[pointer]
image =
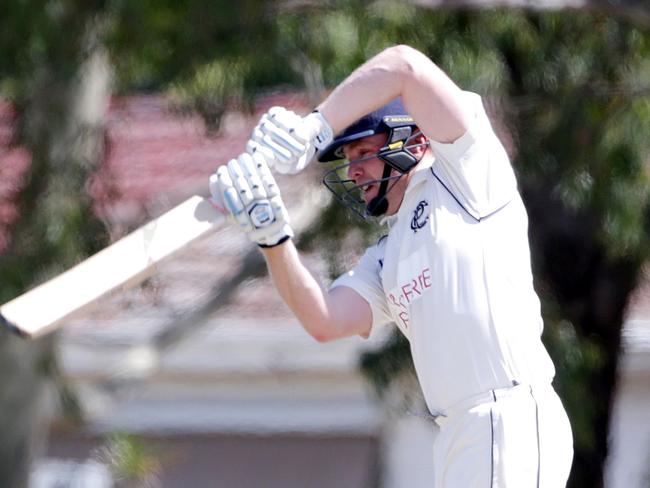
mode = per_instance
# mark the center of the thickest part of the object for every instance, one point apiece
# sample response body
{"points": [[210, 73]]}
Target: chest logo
{"points": [[420, 218]]}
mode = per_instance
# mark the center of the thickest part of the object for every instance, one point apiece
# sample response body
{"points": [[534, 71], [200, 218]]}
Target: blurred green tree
{"points": [[583, 169], [53, 67]]}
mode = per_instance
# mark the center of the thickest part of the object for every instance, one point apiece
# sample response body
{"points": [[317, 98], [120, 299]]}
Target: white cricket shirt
{"points": [[454, 273]]}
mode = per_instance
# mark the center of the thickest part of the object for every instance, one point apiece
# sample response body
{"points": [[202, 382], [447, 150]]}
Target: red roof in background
{"points": [[156, 156], [13, 163]]}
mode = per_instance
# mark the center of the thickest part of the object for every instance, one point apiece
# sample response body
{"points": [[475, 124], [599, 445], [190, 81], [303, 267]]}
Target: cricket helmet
{"points": [[400, 128]]}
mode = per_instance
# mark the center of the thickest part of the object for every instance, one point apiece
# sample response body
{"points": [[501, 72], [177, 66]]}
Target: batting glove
{"points": [[246, 189], [288, 141]]}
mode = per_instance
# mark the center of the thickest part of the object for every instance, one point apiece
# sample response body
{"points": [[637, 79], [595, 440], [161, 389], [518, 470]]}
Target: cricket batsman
{"points": [[453, 271]]}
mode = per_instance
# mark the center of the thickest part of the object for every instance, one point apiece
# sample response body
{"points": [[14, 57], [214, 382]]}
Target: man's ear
{"points": [[419, 145]]}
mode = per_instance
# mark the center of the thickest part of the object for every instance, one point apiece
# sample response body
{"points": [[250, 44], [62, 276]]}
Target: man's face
{"points": [[364, 173]]}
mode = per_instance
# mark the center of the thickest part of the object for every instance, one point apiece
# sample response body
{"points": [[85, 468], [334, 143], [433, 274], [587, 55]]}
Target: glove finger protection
{"points": [[272, 190], [289, 141], [224, 195], [275, 134], [282, 126], [246, 189]]}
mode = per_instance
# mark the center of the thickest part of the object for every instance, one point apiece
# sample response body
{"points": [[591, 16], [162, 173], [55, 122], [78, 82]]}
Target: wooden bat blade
{"points": [[121, 265]]}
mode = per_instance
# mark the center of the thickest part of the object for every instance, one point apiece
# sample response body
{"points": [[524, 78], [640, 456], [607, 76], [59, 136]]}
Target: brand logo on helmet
{"points": [[419, 219], [392, 119]]}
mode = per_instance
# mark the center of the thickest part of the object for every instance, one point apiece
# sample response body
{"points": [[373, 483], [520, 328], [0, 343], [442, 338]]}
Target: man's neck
{"points": [[423, 165]]}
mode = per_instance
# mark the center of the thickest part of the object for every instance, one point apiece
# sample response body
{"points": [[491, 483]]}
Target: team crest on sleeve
{"points": [[420, 217]]}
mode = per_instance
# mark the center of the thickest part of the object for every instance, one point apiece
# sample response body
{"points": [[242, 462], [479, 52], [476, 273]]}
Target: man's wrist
{"points": [[281, 235], [269, 246]]}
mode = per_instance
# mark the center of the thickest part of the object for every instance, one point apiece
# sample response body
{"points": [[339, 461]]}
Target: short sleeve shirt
{"points": [[454, 272]]}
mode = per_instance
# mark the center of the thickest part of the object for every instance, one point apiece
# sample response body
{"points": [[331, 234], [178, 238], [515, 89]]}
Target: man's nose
{"points": [[355, 170]]}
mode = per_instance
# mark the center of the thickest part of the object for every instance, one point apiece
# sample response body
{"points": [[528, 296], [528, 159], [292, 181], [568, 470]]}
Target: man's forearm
{"points": [[299, 288], [434, 100], [324, 314]]}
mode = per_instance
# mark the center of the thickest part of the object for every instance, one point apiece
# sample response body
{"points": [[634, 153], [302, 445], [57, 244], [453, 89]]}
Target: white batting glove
{"points": [[246, 189], [288, 141]]}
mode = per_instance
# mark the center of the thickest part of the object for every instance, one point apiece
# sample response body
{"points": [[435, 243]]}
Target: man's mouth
{"points": [[366, 189]]}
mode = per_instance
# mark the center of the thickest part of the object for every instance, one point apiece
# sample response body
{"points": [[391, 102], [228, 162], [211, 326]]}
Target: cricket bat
{"points": [[121, 265]]}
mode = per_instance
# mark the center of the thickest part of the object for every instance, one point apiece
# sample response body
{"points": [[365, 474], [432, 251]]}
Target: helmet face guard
{"points": [[395, 154], [391, 119]]}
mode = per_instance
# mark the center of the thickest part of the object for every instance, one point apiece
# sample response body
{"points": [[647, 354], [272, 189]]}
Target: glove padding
{"points": [[288, 141], [246, 188]]}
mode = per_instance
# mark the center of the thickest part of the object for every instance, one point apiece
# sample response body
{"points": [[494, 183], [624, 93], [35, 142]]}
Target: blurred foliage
{"points": [[213, 89], [571, 89], [382, 368], [44, 47], [48, 53], [132, 463]]}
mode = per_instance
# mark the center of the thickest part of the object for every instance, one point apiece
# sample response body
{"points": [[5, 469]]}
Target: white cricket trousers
{"points": [[517, 437]]}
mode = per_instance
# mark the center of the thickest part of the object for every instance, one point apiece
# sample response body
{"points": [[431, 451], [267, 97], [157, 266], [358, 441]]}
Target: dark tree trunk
{"points": [[592, 290]]}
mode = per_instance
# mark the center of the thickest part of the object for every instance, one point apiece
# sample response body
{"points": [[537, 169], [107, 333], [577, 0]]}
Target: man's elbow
{"points": [[322, 332], [323, 337], [329, 332], [407, 57]]}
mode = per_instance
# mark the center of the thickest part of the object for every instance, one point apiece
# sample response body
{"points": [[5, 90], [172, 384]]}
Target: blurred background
{"points": [[113, 111]]}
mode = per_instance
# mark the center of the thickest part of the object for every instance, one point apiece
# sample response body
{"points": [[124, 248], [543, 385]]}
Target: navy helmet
{"points": [[382, 120]]}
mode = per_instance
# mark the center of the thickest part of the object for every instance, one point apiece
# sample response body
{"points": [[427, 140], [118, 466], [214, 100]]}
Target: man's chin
{"points": [[377, 207], [368, 197]]}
